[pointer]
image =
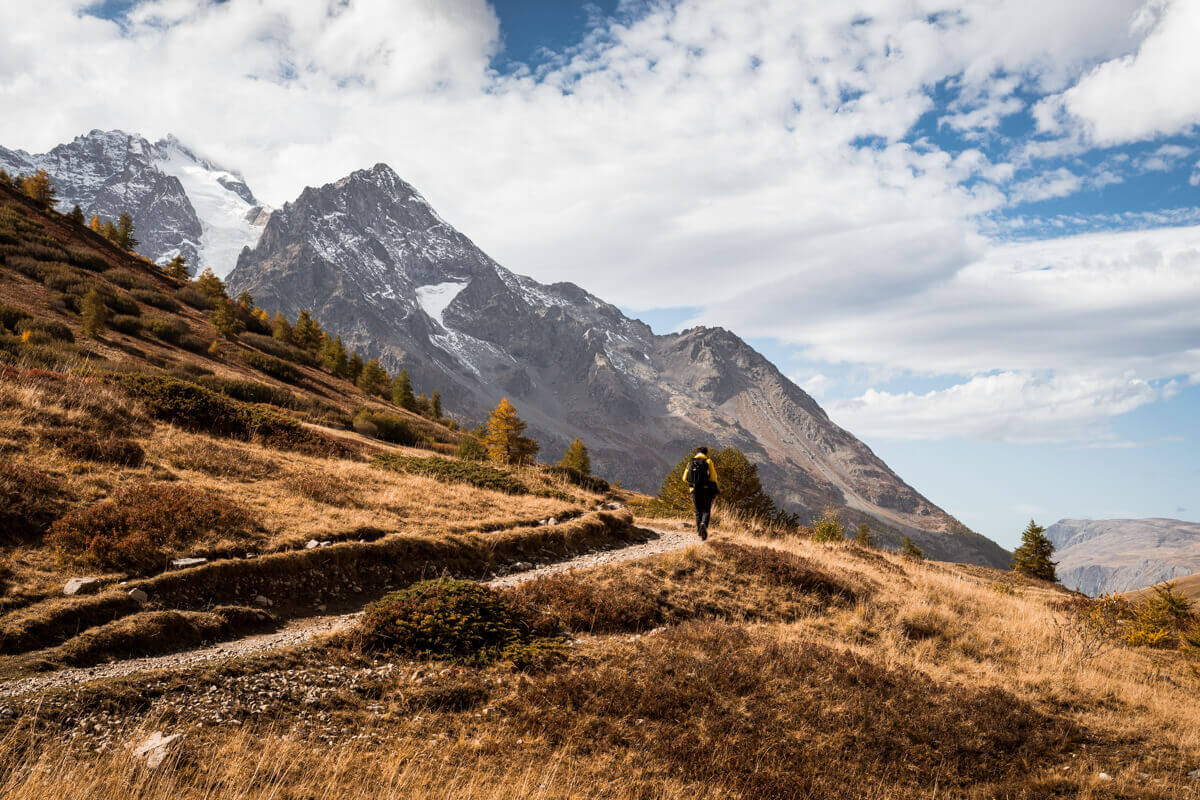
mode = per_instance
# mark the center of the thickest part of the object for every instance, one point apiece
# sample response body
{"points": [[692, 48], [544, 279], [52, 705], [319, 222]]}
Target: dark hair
{"points": [[702, 449]]}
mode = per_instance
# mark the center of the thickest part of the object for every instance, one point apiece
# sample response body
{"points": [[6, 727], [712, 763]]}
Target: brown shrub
{"points": [[88, 446], [323, 488], [781, 568], [29, 501], [214, 458], [748, 713], [572, 602], [142, 525]]}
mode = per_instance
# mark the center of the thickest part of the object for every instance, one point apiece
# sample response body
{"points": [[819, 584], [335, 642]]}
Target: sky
{"points": [[969, 228]]}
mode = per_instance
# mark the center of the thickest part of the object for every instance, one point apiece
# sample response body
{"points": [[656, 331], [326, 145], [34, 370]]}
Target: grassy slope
{"points": [[1188, 586]]}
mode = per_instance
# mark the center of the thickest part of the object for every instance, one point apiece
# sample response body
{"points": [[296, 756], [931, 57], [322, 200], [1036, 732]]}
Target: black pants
{"points": [[702, 499]]}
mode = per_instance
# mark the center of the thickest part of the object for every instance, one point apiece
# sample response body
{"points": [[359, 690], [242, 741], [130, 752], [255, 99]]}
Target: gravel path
{"points": [[298, 631]]}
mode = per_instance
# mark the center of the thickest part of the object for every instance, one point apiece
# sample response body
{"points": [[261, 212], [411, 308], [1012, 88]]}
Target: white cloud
{"points": [[816, 384], [1145, 94]]}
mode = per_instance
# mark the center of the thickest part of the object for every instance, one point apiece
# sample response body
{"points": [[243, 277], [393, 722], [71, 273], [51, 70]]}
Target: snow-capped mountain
{"points": [[180, 202], [378, 266]]}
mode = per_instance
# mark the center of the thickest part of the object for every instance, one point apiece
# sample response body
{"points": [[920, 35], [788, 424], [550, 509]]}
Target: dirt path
{"points": [[298, 631]]}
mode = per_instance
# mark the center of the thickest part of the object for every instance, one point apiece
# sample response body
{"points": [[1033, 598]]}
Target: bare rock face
{"points": [[376, 265], [1121, 555], [180, 203]]}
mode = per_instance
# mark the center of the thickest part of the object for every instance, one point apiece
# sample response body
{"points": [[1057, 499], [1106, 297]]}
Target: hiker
{"points": [[701, 477]]}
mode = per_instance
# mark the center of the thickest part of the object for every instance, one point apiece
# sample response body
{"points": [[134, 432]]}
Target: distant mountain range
{"points": [[180, 202], [377, 265], [1120, 555]]}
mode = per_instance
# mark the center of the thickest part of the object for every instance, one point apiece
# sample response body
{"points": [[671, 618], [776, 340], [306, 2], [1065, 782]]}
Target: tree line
{"points": [[39, 188]]}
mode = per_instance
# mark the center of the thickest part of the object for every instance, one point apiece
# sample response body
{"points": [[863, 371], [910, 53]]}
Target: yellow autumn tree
{"points": [[504, 441]]}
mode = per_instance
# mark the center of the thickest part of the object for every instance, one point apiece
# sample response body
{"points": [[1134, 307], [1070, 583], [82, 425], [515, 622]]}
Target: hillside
{"points": [[1188, 586], [378, 266], [1122, 555]]}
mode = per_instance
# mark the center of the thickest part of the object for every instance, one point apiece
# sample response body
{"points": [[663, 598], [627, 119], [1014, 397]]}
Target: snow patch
{"points": [[435, 298]]}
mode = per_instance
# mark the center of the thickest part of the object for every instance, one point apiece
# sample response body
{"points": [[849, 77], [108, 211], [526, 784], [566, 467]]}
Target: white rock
{"points": [[138, 595], [1194, 774], [263, 601], [552, 521], [312, 544], [155, 748], [183, 563], [326, 544], [82, 586], [1104, 776]]}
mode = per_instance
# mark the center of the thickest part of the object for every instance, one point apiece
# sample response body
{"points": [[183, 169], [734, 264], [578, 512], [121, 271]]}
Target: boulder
{"points": [[312, 544], [155, 748], [184, 563], [138, 595], [82, 586]]}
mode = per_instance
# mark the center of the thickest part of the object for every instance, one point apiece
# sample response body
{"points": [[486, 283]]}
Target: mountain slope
{"points": [[180, 202], [1120, 555], [377, 265]]}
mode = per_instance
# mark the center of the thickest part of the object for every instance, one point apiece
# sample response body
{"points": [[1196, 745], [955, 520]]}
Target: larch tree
{"points": [[402, 391], [76, 215], [281, 329], [435, 404], [125, 238], [177, 267], [333, 356], [505, 441], [577, 458], [1034, 555], [355, 368], [909, 549], [210, 284], [40, 189], [374, 380], [306, 332], [94, 313], [863, 535]]}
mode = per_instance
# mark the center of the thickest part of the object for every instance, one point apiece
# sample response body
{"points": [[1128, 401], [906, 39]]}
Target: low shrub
{"points": [[29, 501], [781, 568], [192, 296], [470, 448], [284, 350], [275, 367], [589, 483], [51, 328], [119, 303], [88, 259], [323, 488], [828, 529], [11, 317], [194, 343], [88, 446], [127, 280], [249, 391], [155, 298], [141, 526], [388, 427], [125, 324], [445, 619], [574, 603], [169, 329], [446, 470], [223, 460]]}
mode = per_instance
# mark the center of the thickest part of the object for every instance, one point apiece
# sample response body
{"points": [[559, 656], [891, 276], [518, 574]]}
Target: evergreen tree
{"points": [[110, 231], [471, 447], [76, 215], [125, 238], [211, 285], [355, 367], [435, 404], [39, 189], [94, 313], [307, 333], [281, 329], [577, 458], [504, 441], [246, 301], [96, 225], [402, 392], [373, 380], [1033, 556], [423, 405], [333, 356], [910, 550], [177, 267], [224, 318], [741, 488], [863, 535], [5, 178]]}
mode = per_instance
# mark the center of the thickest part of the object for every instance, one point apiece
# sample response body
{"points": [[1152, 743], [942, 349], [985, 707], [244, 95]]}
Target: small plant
{"points": [[169, 329], [576, 458], [94, 313], [193, 297], [447, 471], [155, 298], [909, 550], [249, 391], [125, 324], [11, 317], [829, 528], [863, 536], [584, 481]]}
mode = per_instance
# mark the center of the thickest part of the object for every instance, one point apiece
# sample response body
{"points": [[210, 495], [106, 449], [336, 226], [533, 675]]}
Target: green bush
{"points": [[249, 391], [11, 317], [470, 448], [275, 367], [125, 324], [449, 619], [88, 259], [287, 352], [388, 427], [450, 471], [48, 327], [141, 526], [155, 298], [169, 329], [90, 447], [828, 529], [193, 297], [586, 482]]}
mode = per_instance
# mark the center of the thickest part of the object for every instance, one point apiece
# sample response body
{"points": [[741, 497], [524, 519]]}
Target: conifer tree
{"points": [[423, 405], [246, 301], [281, 329], [125, 238], [1033, 557], [211, 285], [110, 231], [224, 318], [435, 404], [76, 215], [355, 367], [577, 458], [471, 446], [306, 332], [333, 356], [402, 391], [177, 267], [504, 442], [863, 535], [374, 380], [94, 313], [910, 550], [5, 178], [39, 189]]}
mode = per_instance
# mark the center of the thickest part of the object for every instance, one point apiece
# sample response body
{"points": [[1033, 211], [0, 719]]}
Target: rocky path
{"points": [[298, 631]]}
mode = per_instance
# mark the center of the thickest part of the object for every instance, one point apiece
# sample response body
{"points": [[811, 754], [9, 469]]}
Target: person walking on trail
{"points": [[700, 475]]}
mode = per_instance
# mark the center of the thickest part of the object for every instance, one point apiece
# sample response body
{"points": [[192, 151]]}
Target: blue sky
{"points": [[971, 229]]}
